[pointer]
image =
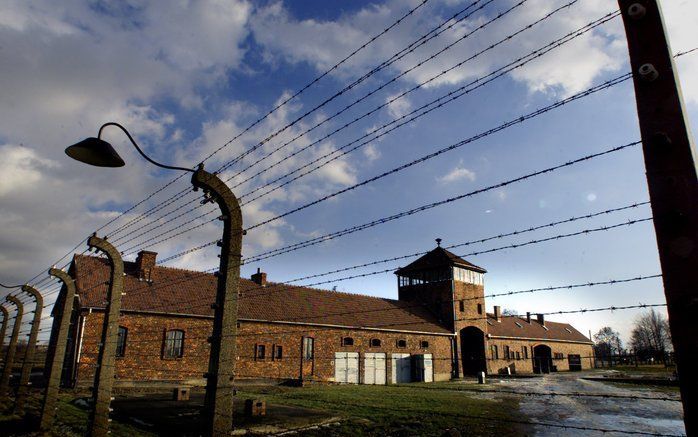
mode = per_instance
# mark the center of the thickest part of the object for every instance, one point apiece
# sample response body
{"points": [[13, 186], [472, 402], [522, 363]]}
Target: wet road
{"points": [[639, 415]]}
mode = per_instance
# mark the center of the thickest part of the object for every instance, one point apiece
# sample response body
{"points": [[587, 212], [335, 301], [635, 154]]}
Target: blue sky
{"points": [[186, 78]]}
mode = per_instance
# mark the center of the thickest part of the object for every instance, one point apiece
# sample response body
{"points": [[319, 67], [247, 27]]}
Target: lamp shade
{"points": [[95, 151]]}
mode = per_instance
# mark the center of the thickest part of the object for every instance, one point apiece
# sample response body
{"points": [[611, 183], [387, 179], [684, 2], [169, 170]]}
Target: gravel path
{"points": [[648, 416]]}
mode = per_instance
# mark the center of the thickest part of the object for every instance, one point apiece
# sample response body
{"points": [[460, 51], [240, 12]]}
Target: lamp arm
{"points": [[169, 167]]}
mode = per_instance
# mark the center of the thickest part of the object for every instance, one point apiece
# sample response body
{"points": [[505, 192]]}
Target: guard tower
{"points": [[454, 290]]}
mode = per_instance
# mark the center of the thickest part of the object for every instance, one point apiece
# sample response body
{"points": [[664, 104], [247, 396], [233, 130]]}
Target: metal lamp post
{"points": [[28, 363], [3, 328], [219, 391]]}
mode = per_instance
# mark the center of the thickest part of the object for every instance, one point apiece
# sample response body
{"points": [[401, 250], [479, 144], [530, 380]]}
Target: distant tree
{"points": [[651, 337], [509, 312], [607, 342]]}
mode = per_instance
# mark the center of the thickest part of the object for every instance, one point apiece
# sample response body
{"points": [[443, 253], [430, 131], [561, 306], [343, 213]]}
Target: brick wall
{"points": [[525, 365], [143, 359]]}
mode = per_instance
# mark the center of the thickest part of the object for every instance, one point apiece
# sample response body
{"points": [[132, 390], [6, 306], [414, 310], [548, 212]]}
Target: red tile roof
{"points": [[516, 326], [178, 291]]}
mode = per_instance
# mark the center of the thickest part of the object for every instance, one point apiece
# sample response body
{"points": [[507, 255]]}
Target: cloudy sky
{"points": [[186, 77]]}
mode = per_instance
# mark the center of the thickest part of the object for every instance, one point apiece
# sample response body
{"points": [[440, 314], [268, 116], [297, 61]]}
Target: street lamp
{"points": [[218, 404]]}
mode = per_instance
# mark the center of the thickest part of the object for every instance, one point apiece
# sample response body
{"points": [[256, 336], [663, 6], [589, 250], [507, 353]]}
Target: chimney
{"points": [[498, 313], [541, 319], [260, 278], [145, 263], [528, 317]]}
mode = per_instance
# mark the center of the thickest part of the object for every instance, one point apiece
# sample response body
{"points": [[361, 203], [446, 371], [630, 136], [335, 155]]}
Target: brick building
{"points": [[437, 329]]}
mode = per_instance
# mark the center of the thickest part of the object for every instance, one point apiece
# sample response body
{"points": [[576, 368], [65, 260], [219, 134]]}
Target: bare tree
{"points": [[607, 342], [509, 312], [650, 336]]}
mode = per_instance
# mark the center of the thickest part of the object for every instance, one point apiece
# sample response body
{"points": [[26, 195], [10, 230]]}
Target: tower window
{"points": [[402, 343], [479, 308], [461, 305]]}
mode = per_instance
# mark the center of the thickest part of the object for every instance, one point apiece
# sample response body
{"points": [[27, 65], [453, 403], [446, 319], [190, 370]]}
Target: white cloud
{"points": [[21, 168], [681, 19], [371, 152], [459, 173], [398, 107]]}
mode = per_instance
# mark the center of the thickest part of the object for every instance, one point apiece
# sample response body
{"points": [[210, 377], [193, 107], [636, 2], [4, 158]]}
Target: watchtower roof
{"points": [[439, 257]]}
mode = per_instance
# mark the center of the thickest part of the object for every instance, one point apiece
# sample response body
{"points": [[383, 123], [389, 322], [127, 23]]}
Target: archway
{"points": [[472, 346], [542, 359]]}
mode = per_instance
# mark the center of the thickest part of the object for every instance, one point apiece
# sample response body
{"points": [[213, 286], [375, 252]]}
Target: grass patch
{"points": [[404, 410], [655, 369]]}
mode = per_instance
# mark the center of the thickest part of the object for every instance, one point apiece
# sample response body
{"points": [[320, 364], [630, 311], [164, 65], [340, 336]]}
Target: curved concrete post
{"points": [[218, 403], [11, 348], [104, 374], [3, 328], [55, 371], [28, 363]]}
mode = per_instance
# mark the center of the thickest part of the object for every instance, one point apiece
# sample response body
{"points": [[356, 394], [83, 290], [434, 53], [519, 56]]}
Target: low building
{"points": [[437, 329]]}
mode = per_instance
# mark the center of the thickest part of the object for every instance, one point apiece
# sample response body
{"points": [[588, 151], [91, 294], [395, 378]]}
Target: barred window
{"points": [[402, 343], [375, 342], [121, 342], [308, 348], [174, 344], [347, 341], [424, 344], [260, 352]]}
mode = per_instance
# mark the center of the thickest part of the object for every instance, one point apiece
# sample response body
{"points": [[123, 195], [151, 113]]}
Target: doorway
{"points": [[472, 346], [542, 359]]}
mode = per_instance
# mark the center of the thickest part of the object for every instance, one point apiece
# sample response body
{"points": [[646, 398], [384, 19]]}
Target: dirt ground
{"points": [[648, 416]]}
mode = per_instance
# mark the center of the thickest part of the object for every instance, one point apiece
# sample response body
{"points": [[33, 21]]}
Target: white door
{"points": [[374, 368], [428, 367], [402, 368], [346, 367]]}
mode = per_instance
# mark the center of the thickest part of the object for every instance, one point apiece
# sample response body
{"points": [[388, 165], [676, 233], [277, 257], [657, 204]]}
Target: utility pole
{"points": [[218, 403], [28, 363], [104, 375], [670, 163], [48, 409], [11, 349]]}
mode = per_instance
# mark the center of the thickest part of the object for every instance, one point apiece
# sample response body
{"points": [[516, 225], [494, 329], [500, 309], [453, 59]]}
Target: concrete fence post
{"points": [[28, 364], [218, 403], [104, 375], [55, 371], [672, 179], [11, 349], [3, 328]]}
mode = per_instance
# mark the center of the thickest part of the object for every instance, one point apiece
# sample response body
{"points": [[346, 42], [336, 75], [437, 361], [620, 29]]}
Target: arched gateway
{"points": [[472, 346], [542, 359]]}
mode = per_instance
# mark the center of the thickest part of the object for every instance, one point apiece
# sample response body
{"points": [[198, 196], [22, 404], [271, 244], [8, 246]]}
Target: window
{"points": [[495, 352], [424, 344], [525, 351], [174, 344], [308, 348], [479, 308], [461, 306], [375, 342], [402, 343], [260, 352], [347, 341], [506, 353], [121, 342], [559, 355], [518, 355], [277, 352]]}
